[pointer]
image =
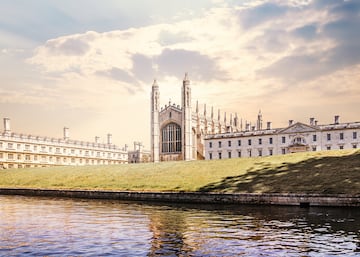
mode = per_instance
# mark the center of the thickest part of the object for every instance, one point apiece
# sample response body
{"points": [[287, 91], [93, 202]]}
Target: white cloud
{"points": [[232, 66]]}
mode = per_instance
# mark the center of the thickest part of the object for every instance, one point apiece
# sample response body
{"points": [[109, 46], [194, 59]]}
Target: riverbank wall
{"points": [[303, 200]]}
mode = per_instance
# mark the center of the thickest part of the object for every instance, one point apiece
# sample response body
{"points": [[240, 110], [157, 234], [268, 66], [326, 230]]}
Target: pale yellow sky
{"points": [[91, 69]]}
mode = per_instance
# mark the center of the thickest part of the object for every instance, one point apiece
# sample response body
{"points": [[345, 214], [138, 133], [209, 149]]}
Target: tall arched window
{"points": [[171, 138]]}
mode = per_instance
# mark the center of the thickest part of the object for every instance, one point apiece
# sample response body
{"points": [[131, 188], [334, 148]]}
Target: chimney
{"points": [[109, 139], [291, 122], [7, 125], [66, 133], [126, 147], [253, 128], [268, 125], [97, 139], [336, 119], [247, 127], [316, 122], [312, 121]]}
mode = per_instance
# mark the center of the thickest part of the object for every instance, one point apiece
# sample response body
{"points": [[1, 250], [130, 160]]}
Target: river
{"points": [[38, 226]]}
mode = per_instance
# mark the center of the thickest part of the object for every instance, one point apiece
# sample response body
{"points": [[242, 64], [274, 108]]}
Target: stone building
{"points": [[181, 133], [178, 132], [24, 151], [139, 154], [296, 137]]}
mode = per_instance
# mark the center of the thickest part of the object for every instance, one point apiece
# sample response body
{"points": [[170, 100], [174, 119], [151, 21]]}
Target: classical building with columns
{"points": [[19, 150], [296, 137], [179, 133]]}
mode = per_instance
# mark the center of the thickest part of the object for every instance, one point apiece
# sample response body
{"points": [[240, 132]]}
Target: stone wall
{"points": [[304, 200]]}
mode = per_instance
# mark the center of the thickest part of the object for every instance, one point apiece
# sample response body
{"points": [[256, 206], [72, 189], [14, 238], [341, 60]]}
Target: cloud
{"points": [[143, 68], [259, 14], [178, 61], [307, 32], [69, 46], [129, 82], [332, 43], [168, 38]]}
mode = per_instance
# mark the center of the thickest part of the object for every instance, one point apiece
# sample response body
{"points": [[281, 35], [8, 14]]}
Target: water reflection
{"points": [[58, 227]]}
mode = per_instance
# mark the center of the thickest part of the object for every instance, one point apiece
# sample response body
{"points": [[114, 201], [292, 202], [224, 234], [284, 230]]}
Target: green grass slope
{"points": [[328, 172]]}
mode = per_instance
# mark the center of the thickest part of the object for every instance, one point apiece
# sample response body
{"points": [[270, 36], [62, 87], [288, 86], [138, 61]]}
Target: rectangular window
{"points": [[50, 149], [57, 150], [210, 156], [229, 155], [249, 151], [219, 144], [341, 147], [260, 141], [219, 156], [260, 152], [341, 136], [328, 147], [19, 156], [314, 138], [35, 148], [270, 140], [43, 148], [229, 143], [354, 146], [314, 148], [27, 147], [249, 141], [239, 154], [283, 151], [10, 146], [283, 140], [210, 144], [270, 152], [354, 135], [239, 142], [10, 156], [72, 151], [328, 136], [35, 157], [27, 157], [18, 146]]}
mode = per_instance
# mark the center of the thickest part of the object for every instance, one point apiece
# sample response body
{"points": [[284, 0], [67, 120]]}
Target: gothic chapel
{"points": [[178, 133]]}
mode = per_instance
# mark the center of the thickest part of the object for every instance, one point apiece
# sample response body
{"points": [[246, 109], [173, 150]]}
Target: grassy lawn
{"points": [[329, 172]]}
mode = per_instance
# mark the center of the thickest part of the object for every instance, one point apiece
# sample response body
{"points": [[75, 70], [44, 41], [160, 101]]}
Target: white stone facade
{"points": [[25, 151], [297, 137], [139, 155]]}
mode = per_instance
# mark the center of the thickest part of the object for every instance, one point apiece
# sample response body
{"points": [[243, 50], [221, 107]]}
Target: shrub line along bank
{"points": [[305, 200]]}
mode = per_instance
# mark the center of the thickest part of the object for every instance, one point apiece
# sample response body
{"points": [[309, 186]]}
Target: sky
{"points": [[89, 65]]}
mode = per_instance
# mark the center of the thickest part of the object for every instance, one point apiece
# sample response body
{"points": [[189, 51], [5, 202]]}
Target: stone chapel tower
{"points": [[186, 119], [155, 128]]}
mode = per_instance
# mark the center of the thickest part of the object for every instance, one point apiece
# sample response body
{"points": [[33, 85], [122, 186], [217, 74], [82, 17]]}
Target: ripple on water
{"points": [[65, 227]]}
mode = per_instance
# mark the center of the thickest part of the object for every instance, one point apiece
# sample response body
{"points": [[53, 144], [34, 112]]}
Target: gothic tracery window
{"points": [[171, 138]]}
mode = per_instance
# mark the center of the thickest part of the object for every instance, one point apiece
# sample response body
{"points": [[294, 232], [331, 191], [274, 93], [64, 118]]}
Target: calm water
{"points": [[64, 227]]}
